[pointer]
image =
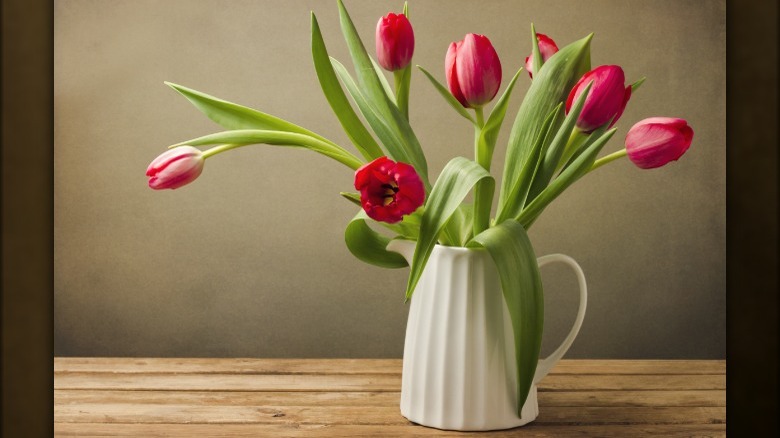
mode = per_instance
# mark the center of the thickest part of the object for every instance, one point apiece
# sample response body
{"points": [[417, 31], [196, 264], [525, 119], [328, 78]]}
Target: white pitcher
{"points": [[459, 369]]}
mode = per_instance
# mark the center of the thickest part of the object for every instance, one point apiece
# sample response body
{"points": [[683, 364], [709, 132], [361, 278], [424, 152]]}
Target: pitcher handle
{"points": [[545, 365]]}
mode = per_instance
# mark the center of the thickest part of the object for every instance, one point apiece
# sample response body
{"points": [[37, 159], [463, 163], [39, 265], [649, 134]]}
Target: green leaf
{"points": [[519, 192], [559, 144], [489, 133], [352, 197], [538, 60], [456, 180], [521, 283], [383, 79], [550, 87], [567, 177], [369, 246], [389, 137], [445, 93], [357, 133], [233, 116], [243, 137], [635, 86], [376, 97]]}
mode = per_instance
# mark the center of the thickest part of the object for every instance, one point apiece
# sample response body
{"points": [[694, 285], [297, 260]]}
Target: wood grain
{"points": [[360, 397]]}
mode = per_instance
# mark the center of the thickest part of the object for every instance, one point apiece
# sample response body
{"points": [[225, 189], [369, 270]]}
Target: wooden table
{"points": [[360, 398]]}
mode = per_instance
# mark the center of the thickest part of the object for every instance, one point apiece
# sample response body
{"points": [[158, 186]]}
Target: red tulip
{"points": [[394, 41], [175, 168], [607, 98], [547, 48], [473, 70], [656, 141], [389, 190]]}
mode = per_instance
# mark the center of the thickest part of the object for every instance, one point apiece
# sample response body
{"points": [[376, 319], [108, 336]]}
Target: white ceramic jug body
{"points": [[459, 369]]}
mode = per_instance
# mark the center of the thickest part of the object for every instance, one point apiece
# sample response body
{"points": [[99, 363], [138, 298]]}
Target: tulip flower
{"points": [[656, 141], [175, 168], [607, 98], [473, 70], [389, 190], [394, 41], [547, 48]]}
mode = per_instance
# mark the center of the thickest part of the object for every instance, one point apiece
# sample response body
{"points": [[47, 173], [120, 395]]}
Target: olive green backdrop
{"points": [[249, 260]]}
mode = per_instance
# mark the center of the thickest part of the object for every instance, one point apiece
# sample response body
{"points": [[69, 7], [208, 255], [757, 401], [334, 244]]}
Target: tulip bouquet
{"points": [[564, 121]]}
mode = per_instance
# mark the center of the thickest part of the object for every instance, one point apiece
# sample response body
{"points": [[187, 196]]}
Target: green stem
{"points": [[402, 91], [483, 196], [608, 159]]}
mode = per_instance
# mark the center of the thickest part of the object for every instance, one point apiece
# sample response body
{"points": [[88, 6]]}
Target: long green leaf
{"points": [[380, 74], [550, 86], [369, 246], [567, 177], [374, 92], [352, 125], [448, 97], [456, 180], [521, 283], [233, 116], [519, 192], [392, 142], [538, 61], [559, 143], [489, 133], [243, 137]]}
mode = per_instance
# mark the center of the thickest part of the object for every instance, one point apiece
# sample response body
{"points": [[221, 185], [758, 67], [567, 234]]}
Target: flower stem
{"points": [[483, 195], [608, 159], [402, 91]]}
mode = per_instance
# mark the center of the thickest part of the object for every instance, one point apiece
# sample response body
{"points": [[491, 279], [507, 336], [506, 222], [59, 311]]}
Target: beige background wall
{"points": [[250, 261]]}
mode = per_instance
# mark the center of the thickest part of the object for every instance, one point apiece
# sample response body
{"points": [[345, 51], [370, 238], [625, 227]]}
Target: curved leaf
{"points": [[521, 283], [567, 177], [550, 86], [369, 246], [445, 93], [243, 137], [233, 116], [376, 96], [456, 180], [352, 125]]}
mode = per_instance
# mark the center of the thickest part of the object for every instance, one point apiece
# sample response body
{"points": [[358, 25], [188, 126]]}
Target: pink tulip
{"points": [[547, 48], [175, 168], [394, 41], [607, 98], [473, 70], [389, 190], [656, 141]]}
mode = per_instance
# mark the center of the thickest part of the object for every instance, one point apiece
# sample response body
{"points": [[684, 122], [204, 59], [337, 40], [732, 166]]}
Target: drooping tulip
{"points": [[473, 70], [175, 168], [547, 48], [656, 141], [389, 190], [607, 98], [394, 41]]}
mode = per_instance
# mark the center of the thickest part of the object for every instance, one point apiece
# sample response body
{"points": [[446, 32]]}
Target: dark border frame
{"points": [[27, 219]]}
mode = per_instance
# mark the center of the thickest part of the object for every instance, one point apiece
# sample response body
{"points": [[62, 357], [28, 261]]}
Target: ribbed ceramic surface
{"points": [[459, 370]]}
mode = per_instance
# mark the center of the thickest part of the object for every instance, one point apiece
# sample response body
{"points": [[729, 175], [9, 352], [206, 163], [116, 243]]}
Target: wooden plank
{"points": [[710, 398], [360, 382], [364, 415], [226, 366], [321, 430], [357, 366]]}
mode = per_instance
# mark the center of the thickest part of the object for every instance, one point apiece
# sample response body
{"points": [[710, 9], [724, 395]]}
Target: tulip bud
{"points": [[394, 41], [547, 48], [607, 98], [389, 190], [473, 70], [656, 141], [175, 168]]}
